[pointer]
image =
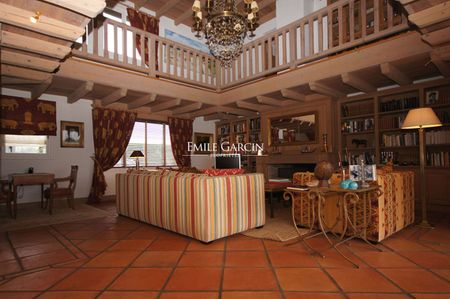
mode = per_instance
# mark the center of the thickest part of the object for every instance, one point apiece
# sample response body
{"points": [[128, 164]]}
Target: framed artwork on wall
{"points": [[203, 143], [432, 97], [72, 134]]}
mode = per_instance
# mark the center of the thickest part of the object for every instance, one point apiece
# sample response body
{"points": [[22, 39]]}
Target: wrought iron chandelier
{"points": [[225, 27]]}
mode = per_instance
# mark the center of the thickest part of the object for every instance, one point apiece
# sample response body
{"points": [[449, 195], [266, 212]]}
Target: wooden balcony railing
{"points": [[335, 28]]}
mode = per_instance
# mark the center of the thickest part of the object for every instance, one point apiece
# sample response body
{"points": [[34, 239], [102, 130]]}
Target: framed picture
{"points": [[203, 143], [432, 97], [72, 134], [356, 173]]}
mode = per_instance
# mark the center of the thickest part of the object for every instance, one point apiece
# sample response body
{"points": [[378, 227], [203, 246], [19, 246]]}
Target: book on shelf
{"points": [[443, 115], [240, 127], [391, 122], [439, 159], [360, 125], [255, 124], [386, 156], [400, 139], [369, 158], [357, 108], [224, 130], [437, 137], [407, 102]]}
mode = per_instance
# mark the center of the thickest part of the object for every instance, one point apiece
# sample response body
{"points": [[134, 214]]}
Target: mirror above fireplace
{"points": [[294, 129]]}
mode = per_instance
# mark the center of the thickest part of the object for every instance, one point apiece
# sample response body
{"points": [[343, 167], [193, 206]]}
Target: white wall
{"points": [[58, 160]]}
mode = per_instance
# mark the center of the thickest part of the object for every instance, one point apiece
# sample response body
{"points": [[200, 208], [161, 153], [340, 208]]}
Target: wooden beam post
{"points": [[144, 100], [395, 74], [114, 96], [357, 82], [81, 91], [40, 89], [293, 95]]}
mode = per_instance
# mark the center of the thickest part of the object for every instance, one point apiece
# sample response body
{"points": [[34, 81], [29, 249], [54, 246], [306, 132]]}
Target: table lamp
{"points": [[422, 118], [137, 155]]}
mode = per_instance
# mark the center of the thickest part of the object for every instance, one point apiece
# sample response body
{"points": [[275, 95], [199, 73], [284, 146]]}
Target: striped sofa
{"points": [[196, 205]]}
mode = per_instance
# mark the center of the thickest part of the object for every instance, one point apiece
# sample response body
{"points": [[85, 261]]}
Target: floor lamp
{"points": [[422, 118], [137, 155]]}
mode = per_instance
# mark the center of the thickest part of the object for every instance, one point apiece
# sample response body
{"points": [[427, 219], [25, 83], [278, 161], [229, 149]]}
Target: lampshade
{"points": [[421, 118], [136, 154]]}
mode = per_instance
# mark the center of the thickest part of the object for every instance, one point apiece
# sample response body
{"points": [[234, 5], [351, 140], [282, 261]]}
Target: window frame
{"points": [[165, 129]]}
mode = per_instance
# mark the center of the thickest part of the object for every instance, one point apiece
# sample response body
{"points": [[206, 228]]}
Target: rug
{"points": [[31, 215], [280, 228]]}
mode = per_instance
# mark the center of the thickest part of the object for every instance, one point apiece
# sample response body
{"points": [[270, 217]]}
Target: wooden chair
{"points": [[6, 194], [56, 191]]}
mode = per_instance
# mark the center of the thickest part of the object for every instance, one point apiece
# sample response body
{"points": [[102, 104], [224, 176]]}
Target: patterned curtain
{"points": [[147, 23], [180, 134], [21, 116], [112, 132]]}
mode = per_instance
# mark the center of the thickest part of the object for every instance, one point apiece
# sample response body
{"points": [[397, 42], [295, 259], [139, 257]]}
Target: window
{"points": [[25, 144], [153, 139]]}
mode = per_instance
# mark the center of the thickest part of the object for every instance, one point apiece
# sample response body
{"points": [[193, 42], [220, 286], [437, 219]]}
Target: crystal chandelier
{"points": [[225, 27]]}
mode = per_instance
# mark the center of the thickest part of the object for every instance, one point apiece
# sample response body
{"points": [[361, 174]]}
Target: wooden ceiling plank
{"points": [[220, 116], [443, 52], [20, 17], [114, 96], [270, 101], [437, 37], [185, 15], [18, 81], [30, 44], [40, 89], [293, 95], [267, 17], [90, 8], [81, 91], [393, 73], [357, 82], [442, 66], [139, 3], [251, 106], [165, 105], [202, 112], [237, 111], [167, 6], [187, 108], [14, 71], [20, 59], [144, 100], [432, 15], [325, 90]]}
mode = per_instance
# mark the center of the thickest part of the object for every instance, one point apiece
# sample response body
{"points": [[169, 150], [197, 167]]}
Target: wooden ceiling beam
{"points": [[30, 44], [357, 82], [18, 81], [393, 73], [267, 17], [19, 72], [251, 106], [90, 8], [24, 60], [437, 37], [166, 7], [81, 91], [187, 108], [293, 95], [202, 112], [432, 15], [443, 67], [270, 101], [37, 91], [325, 90], [144, 100], [114, 96], [165, 105], [220, 116], [20, 17], [443, 52]]}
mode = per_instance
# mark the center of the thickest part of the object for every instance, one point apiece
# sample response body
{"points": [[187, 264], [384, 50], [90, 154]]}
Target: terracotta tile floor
{"points": [[116, 257]]}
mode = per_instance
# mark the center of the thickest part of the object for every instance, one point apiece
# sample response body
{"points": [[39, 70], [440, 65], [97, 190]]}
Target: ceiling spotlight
{"points": [[34, 19]]}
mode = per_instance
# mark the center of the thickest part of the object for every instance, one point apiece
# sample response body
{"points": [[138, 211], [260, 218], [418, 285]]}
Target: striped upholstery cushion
{"points": [[196, 205]]}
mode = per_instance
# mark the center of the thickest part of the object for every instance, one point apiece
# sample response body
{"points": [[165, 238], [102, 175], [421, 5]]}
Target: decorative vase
{"points": [[323, 172]]}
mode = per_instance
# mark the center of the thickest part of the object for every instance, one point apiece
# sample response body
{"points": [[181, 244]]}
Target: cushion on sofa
{"points": [[218, 172]]}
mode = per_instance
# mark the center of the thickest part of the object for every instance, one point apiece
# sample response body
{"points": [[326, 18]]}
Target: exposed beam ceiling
{"points": [[432, 15], [443, 67], [325, 90], [220, 116], [357, 82], [37, 91], [168, 5], [14, 71], [395, 74], [25, 60], [187, 108], [251, 106], [20, 17], [114, 96], [293, 95], [142, 101], [165, 105], [270, 101], [81, 91], [437, 37]]}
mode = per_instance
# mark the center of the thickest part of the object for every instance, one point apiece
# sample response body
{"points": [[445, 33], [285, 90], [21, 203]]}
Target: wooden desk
{"points": [[27, 179]]}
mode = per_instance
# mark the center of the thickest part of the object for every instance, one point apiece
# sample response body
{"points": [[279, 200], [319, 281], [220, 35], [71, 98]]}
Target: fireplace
{"points": [[286, 171]]}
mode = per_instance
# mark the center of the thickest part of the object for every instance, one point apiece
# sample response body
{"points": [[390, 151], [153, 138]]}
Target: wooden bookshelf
{"points": [[384, 139], [241, 130]]}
